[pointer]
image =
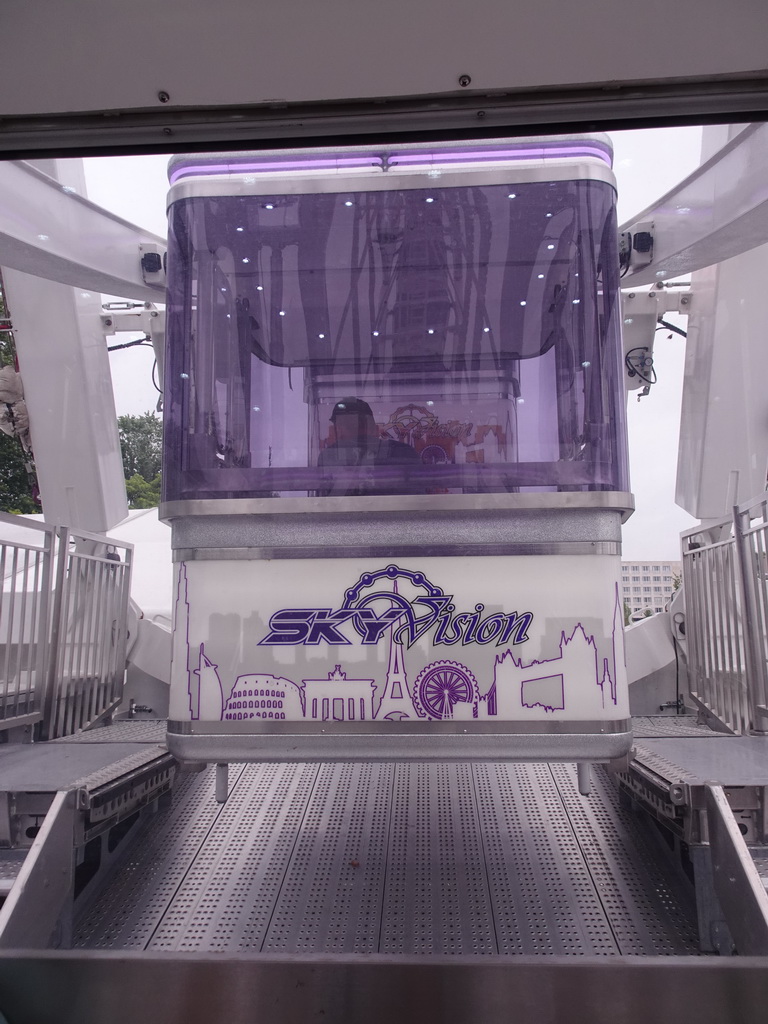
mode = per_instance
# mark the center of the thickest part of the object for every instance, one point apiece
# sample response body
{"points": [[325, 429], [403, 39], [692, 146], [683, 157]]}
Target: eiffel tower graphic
{"points": [[395, 700]]}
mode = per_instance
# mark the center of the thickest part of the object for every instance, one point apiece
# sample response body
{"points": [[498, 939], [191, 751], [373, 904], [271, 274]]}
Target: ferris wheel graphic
{"points": [[439, 687]]}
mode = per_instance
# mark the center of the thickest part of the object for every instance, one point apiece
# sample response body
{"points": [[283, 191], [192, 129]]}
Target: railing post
{"points": [[42, 628], [753, 641], [125, 596], [54, 659]]}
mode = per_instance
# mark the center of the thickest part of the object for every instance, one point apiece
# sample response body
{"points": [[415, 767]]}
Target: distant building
{"points": [[648, 585]]}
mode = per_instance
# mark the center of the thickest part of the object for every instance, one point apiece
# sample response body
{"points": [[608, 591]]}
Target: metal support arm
{"points": [[49, 231]]}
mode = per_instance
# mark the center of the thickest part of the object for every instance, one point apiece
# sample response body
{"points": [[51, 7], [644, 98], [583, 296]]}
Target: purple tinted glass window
{"points": [[438, 341]]}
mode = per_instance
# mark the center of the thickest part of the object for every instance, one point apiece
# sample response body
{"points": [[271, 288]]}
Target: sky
{"points": [[647, 163]]}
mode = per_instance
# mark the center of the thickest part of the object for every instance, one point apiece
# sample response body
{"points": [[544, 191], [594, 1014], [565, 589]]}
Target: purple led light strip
{"points": [[395, 159], [327, 163], [503, 154]]}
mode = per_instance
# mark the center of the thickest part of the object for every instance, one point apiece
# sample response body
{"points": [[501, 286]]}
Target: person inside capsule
{"points": [[356, 442]]}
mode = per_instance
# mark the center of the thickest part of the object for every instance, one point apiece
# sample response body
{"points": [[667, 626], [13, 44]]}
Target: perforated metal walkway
{"points": [[466, 859]]}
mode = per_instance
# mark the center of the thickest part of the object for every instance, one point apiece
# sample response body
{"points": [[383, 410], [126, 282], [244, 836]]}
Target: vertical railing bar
{"points": [[748, 613], [701, 611], [91, 610], [701, 575], [20, 661], [112, 664], [707, 630], [762, 567], [112, 642], [718, 627], [62, 696], [691, 611], [53, 684], [752, 610], [753, 547], [731, 624], [89, 574], [752, 616], [11, 687], [729, 611], [718, 630], [108, 661], [78, 630], [79, 677], [36, 681], [758, 576], [72, 623], [44, 609], [716, 634], [111, 575], [734, 626], [714, 692], [695, 634], [65, 643], [96, 641], [735, 680], [738, 672], [122, 620]]}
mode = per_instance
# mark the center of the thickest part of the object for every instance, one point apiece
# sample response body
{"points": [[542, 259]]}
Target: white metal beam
{"points": [[49, 231], [718, 212], [64, 364]]}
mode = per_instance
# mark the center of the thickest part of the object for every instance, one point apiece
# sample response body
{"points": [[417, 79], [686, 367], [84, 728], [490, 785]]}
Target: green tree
{"points": [[627, 614], [141, 442], [17, 478], [143, 493]]}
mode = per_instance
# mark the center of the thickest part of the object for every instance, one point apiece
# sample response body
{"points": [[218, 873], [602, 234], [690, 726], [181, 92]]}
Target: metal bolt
{"points": [[167, 131], [107, 322], [480, 114], [464, 81], [163, 96]]}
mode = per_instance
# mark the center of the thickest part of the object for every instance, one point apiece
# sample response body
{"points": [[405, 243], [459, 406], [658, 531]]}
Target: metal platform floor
{"points": [[478, 860]]}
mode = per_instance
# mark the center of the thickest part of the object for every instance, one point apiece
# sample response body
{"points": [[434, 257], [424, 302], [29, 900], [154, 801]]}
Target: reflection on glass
{"points": [[471, 329]]}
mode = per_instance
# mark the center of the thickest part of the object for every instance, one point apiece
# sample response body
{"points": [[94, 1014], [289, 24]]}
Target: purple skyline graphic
{"points": [[441, 690], [546, 692]]}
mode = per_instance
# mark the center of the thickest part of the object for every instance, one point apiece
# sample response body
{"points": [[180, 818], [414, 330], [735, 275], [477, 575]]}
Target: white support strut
{"points": [[717, 212], [49, 231]]}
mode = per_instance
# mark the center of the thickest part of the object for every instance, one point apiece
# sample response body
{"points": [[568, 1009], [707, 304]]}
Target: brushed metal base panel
{"points": [[430, 859], [202, 748]]}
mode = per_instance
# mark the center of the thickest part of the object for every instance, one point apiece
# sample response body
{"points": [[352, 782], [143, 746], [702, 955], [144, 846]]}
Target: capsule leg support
{"points": [[584, 777], [222, 783]]}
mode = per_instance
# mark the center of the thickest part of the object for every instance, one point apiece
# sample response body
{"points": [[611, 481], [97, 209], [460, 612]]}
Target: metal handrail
{"points": [[88, 631], [725, 586], [63, 627], [26, 573]]}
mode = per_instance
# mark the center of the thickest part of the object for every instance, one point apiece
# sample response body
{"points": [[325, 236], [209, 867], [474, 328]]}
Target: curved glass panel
{"points": [[407, 341]]}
